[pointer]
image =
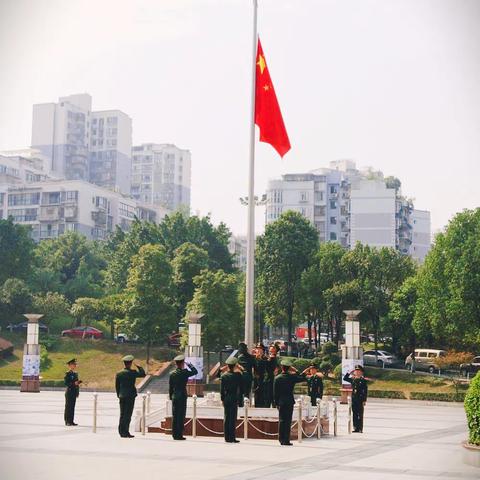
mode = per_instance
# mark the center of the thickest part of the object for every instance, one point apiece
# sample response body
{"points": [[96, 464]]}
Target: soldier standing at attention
{"points": [[359, 396], [259, 370], [247, 362], [126, 393], [232, 397], [284, 400], [272, 369], [71, 392], [178, 394], [315, 384]]}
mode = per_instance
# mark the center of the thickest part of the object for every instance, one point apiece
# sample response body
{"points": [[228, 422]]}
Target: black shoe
{"points": [[179, 438], [128, 435], [357, 431], [74, 424], [235, 441], [287, 444]]}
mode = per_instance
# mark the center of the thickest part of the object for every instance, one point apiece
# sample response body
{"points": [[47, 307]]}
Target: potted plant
{"points": [[472, 409]]}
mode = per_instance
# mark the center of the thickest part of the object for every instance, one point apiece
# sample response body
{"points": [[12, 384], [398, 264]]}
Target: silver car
{"points": [[379, 358]]}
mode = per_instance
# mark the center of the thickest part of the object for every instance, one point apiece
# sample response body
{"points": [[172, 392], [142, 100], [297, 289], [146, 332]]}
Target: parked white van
{"points": [[425, 359]]}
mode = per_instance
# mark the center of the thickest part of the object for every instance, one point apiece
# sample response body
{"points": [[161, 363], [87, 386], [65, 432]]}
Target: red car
{"points": [[83, 332]]}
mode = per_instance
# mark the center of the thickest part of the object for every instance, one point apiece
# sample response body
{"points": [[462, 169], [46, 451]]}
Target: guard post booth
{"points": [[194, 353]]}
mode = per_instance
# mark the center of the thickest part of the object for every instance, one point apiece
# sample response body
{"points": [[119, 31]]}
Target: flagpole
{"points": [[250, 280]]}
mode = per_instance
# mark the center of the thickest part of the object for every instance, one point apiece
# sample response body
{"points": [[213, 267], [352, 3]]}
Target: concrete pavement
{"points": [[403, 440]]}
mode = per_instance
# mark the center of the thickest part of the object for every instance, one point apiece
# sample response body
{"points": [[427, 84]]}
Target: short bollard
{"points": [[95, 401], [299, 422], [144, 416], [335, 417], [246, 401], [149, 401], [349, 401], [319, 422], [194, 417]]}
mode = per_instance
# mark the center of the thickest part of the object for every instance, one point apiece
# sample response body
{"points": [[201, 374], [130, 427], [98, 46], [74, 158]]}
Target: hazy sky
{"points": [[392, 84]]}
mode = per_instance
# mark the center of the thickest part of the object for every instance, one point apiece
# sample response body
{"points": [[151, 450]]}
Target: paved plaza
{"points": [[403, 440]]}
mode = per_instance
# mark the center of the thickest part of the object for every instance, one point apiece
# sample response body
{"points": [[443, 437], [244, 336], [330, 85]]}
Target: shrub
{"points": [[337, 372], [52, 383], [9, 383], [45, 361], [452, 360], [438, 396], [333, 358], [472, 409], [329, 348], [49, 342], [386, 394], [326, 367]]}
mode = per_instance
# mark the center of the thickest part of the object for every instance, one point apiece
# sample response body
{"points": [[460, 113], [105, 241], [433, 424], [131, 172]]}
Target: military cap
{"points": [[231, 361], [179, 358], [286, 363], [359, 367], [128, 358], [73, 360]]}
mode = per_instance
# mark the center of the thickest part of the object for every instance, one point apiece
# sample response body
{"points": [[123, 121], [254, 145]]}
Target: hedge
{"points": [[472, 409], [387, 394], [9, 383], [43, 383], [441, 397]]}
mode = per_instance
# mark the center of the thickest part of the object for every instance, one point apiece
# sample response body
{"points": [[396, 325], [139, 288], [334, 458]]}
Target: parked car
{"points": [[83, 332], [22, 326], [173, 340], [470, 368], [124, 338], [379, 358], [425, 359]]}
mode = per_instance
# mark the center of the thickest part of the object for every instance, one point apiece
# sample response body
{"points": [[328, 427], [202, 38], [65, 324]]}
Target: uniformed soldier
{"points": [[178, 394], [315, 384], [71, 392], [284, 400], [126, 393], [231, 393], [259, 373], [272, 369], [359, 396], [247, 362]]}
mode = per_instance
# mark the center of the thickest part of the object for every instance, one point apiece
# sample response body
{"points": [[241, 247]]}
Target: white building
{"points": [[22, 166], [237, 246], [347, 206], [161, 175], [84, 145], [422, 234], [52, 207], [110, 150]]}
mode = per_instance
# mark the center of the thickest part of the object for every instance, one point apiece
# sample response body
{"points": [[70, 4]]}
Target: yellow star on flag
{"points": [[266, 87], [261, 63]]}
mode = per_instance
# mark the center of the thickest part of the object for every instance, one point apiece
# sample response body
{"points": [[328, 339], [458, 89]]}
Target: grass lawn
{"points": [[98, 360]]}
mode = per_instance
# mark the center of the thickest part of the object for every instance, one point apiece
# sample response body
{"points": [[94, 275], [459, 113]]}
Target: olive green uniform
{"points": [[178, 395], [71, 393], [271, 367], [359, 397], [126, 393], [315, 389], [284, 400], [260, 370], [247, 362], [231, 393]]}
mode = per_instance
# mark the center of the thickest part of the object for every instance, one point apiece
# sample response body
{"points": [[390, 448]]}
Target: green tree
{"points": [[284, 252], [188, 262], [217, 296], [16, 249], [15, 300], [73, 260], [85, 310], [324, 272], [401, 315], [150, 308], [52, 305], [448, 306]]}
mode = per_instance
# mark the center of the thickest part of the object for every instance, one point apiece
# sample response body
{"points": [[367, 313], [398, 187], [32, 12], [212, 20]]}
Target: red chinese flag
{"points": [[268, 116]]}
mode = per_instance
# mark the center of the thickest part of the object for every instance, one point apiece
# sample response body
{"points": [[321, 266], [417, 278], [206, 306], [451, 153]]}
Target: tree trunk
{"points": [[148, 355], [309, 323], [112, 329]]}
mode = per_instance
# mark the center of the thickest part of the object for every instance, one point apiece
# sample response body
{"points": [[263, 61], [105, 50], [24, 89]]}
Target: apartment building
{"points": [[161, 175]]}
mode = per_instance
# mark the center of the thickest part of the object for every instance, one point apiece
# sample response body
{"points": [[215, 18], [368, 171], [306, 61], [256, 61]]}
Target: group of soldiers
{"points": [[260, 374]]}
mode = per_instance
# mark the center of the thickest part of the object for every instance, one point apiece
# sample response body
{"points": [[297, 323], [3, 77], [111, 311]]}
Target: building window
{"points": [[333, 189], [333, 204], [333, 220], [303, 196], [71, 196], [23, 214], [24, 199], [333, 236]]}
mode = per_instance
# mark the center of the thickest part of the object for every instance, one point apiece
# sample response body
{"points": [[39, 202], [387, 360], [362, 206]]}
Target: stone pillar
{"points": [[352, 352], [194, 353], [31, 356]]}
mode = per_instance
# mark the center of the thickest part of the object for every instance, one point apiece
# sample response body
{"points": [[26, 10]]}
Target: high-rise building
{"points": [[347, 206], [111, 150], [421, 235], [161, 175], [84, 145], [237, 246]]}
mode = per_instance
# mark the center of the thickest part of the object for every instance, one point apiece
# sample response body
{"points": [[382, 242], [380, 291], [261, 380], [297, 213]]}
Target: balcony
{"points": [[100, 218], [48, 214], [70, 212]]}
